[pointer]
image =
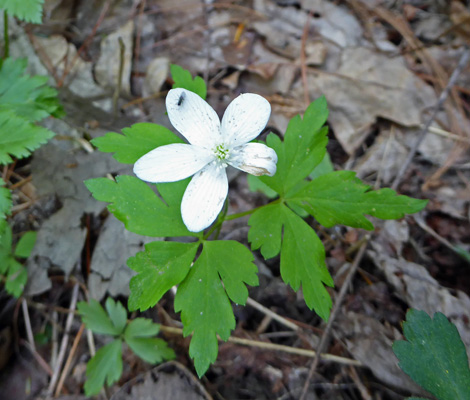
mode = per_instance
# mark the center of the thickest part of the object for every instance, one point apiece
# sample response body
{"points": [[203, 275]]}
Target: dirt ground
{"points": [[382, 65]]}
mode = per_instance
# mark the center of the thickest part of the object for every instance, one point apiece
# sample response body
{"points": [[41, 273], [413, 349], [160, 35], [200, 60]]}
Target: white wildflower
{"points": [[213, 146]]}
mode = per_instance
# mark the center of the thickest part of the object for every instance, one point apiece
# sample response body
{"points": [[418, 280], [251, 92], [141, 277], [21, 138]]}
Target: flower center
{"points": [[221, 152]]}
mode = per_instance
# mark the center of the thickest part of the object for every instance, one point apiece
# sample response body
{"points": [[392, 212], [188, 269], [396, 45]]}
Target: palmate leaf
{"points": [[5, 200], [26, 96], [152, 350], [97, 319], [26, 10], [19, 137], [16, 279], [25, 245], [160, 267], [14, 272], [139, 337], [135, 204], [434, 356], [303, 148], [104, 367], [341, 198], [204, 301], [183, 79], [277, 229], [135, 141]]}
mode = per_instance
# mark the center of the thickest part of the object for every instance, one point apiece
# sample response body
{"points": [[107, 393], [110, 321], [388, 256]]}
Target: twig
{"points": [[326, 334], [273, 315], [69, 67], [442, 98], [446, 134], [22, 182], [138, 36], [275, 347], [27, 322], [207, 39], [45, 366], [303, 59], [69, 360], [55, 340], [65, 340], [420, 221], [117, 91]]}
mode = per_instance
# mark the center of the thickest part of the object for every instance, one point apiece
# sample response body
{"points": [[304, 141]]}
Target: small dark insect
{"points": [[181, 99]]}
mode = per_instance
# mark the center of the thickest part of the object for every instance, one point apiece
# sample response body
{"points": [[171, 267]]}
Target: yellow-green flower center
{"points": [[221, 152]]}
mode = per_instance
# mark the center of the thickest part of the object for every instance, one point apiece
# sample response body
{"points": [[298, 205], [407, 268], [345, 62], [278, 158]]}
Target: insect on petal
{"points": [[254, 158], [244, 119], [193, 117], [171, 163], [204, 197]]}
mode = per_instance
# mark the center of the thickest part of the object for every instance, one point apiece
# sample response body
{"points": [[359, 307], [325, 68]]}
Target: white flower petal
{"points": [[244, 119], [204, 197], [172, 163], [193, 117], [254, 158]]}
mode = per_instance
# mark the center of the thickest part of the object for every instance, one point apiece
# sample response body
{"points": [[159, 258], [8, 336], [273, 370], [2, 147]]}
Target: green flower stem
{"points": [[223, 217], [5, 35], [249, 212]]}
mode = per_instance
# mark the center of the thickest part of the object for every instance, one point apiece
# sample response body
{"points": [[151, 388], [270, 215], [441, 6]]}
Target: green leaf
{"points": [[141, 327], [18, 137], [5, 200], [135, 204], [96, 319], [256, 185], [183, 79], [117, 313], [160, 267], [14, 273], [275, 228], [16, 279], [105, 366], [303, 148], [26, 10], [26, 96], [152, 350], [6, 237], [434, 356], [325, 167], [204, 303], [26, 244], [135, 141], [341, 198]]}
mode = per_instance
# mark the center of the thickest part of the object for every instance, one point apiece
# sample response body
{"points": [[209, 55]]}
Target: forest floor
{"points": [[382, 66]]}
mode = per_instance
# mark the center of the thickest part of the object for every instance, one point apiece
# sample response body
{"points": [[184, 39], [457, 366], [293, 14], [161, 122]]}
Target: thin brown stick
{"points": [[138, 35], [274, 347], [207, 38], [117, 90], [65, 340], [44, 365], [303, 59], [272, 314], [326, 334], [27, 322], [442, 98], [22, 182], [69, 360], [85, 44]]}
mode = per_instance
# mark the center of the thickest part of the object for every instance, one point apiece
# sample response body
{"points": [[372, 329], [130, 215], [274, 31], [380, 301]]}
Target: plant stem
{"points": [[223, 217], [6, 53], [249, 212]]}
